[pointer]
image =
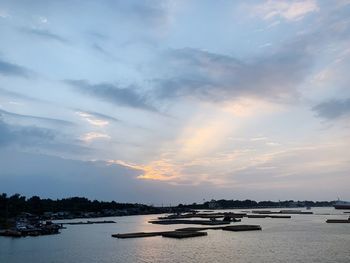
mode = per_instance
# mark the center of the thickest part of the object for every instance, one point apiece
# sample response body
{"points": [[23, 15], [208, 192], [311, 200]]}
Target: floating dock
{"points": [[188, 232], [291, 212], [172, 234], [234, 217], [204, 215], [184, 234], [199, 228], [267, 216], [296, 212], [190, 222], [279, 216], [242, 228], [140, 234], [338, 221], [89, 222]]}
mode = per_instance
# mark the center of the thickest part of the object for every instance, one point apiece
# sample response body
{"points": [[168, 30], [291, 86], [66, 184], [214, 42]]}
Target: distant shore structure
{"points": [[342, 204]]}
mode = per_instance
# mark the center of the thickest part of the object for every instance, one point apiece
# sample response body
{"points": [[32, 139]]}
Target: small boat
{"points": [[308, 208], [341, 205]]}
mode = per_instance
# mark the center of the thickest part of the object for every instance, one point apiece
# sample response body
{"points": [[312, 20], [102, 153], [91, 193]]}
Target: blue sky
{"points": [[175, 101]]}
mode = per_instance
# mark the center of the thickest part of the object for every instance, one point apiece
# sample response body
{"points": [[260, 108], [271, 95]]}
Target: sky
{"points": [[167, 102]]}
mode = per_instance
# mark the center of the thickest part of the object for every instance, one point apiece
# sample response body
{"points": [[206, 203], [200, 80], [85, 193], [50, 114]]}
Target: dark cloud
{"points": [[23, 135], [44, 34], [36, 118], [46, 175], [9, 69], [333, 109], [29, 137], [215, 77], [113, 94], [6, 135]]}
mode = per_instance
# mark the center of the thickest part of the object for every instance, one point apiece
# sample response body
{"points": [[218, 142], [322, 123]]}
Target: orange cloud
{"points": [[162, 170]]}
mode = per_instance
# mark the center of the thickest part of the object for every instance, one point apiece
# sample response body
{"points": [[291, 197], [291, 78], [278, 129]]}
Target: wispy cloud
{"points": [[143, 12], [101, 50], [288, 10], [114, 94], [259, 139], [10, 69], [17, 95], [44, 34], [216, 77], [91, 136], [101, 115], [36, 118]]}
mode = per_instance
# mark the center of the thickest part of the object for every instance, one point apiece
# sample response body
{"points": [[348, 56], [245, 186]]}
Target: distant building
{"points": [[213, 204]]}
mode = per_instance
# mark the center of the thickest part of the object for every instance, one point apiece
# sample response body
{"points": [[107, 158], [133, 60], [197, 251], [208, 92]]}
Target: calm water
{"points": [[304, 238]]}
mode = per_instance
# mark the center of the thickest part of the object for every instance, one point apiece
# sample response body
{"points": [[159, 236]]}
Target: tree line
{"points": [[231, 204], [12, 206]]}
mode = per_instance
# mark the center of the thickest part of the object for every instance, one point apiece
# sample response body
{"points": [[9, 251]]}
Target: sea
{"points": [[303, 238]]}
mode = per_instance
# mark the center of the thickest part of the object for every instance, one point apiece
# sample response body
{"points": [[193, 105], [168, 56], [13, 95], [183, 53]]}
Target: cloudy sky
{"points": [[175, 101]]}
